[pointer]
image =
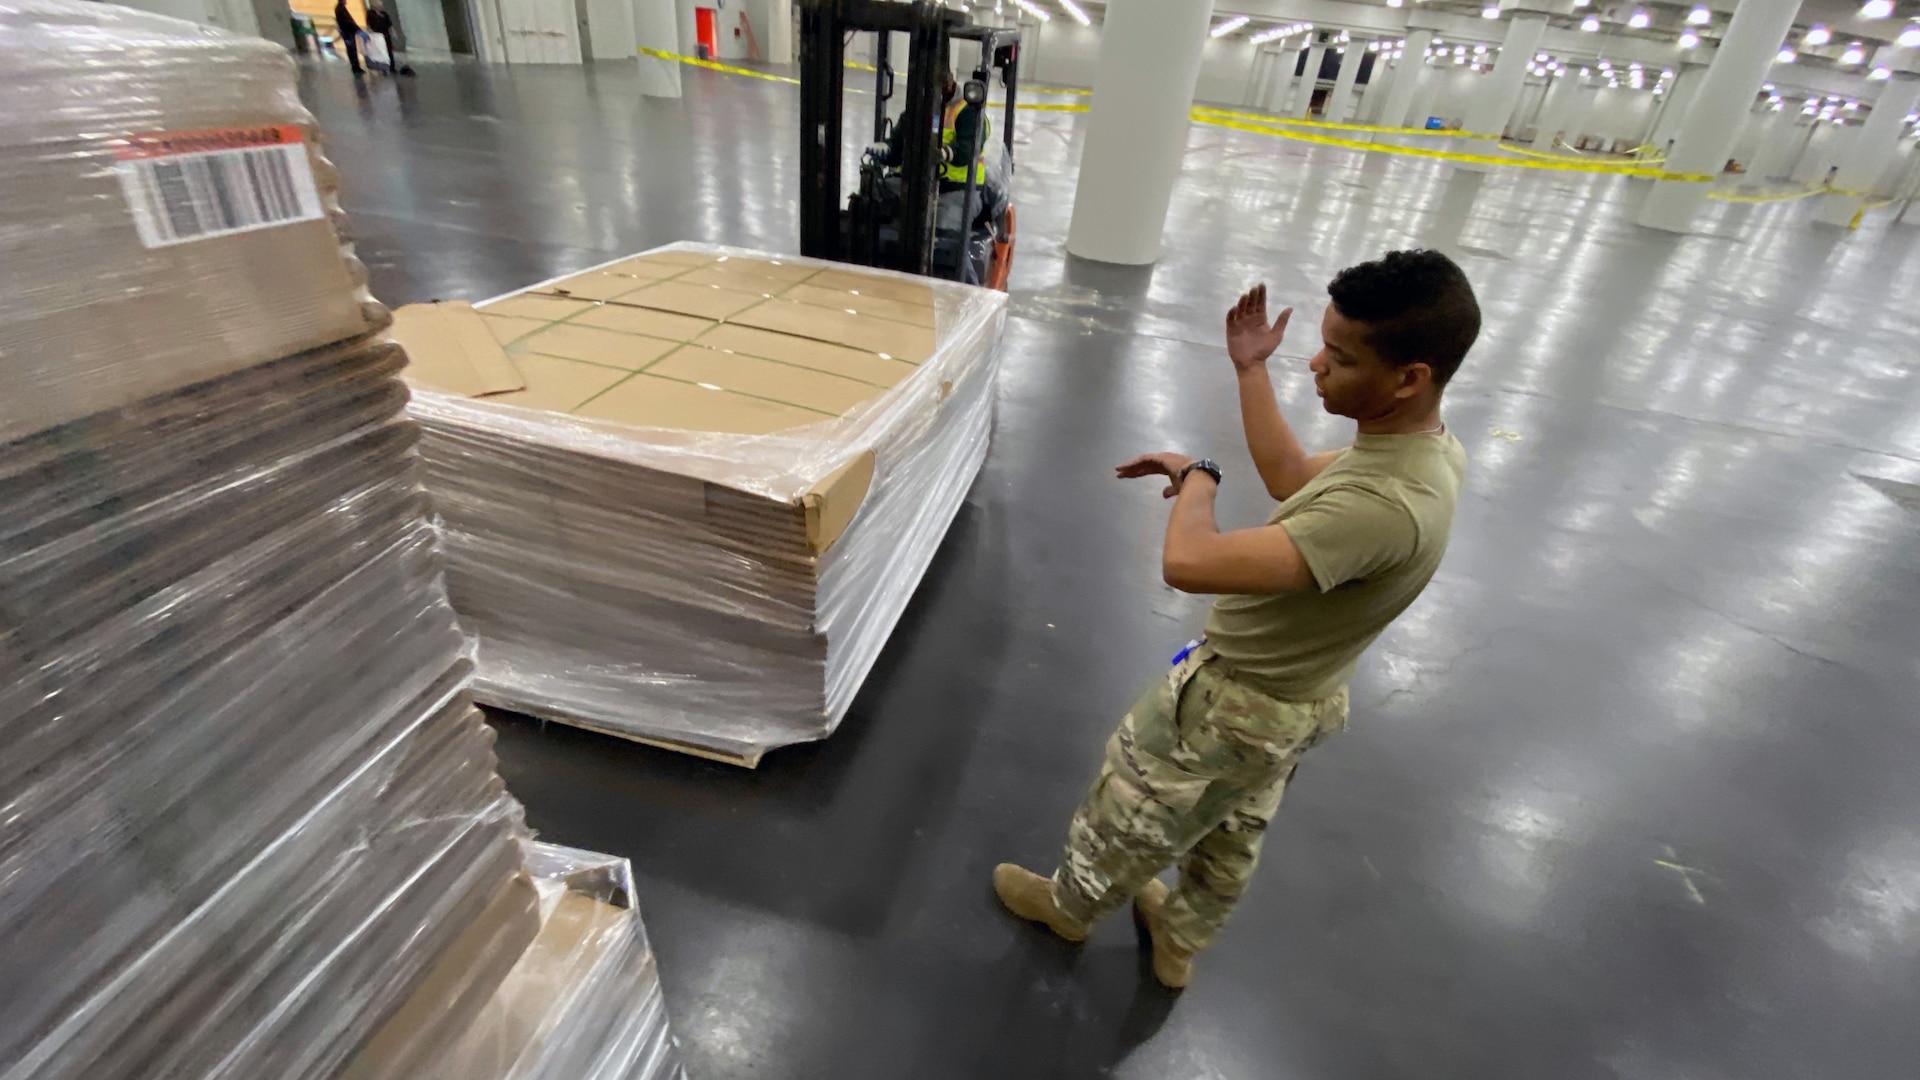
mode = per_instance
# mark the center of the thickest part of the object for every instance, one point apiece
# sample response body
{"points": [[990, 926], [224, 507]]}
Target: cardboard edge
{"points": [[453, 992], [448, 346], [832, 503]]}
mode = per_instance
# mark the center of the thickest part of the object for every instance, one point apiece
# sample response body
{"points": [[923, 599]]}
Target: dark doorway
{"points": [[459, 28]]}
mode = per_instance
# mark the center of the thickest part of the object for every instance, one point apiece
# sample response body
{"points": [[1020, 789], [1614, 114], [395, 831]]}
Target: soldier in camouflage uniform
{"points": [[1197, 768]]}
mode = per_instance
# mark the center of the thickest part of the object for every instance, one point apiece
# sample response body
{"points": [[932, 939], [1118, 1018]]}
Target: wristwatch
{"points": [[1205, 465]]}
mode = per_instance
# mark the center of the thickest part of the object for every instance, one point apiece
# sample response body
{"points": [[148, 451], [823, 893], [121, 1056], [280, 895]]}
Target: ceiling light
{"points": [[1078, 15], [1395, 3], [1028, 7], [1880, 74], [1640, 20], [1589, 24], [1479, 50], [1876, 9], [1819, 35], [1699, 16], [1855, 54], [1540, 58], [1229, 26], [1491, 11], [1786, 55], [1910, 37], [1581, 3], [1689, 39], [1373, 46]]}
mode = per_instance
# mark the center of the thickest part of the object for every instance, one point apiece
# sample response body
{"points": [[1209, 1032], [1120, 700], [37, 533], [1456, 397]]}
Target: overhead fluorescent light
{"points": [[1491, 11], [1032, 9], [1078, 15], [1589, 24], [1699, 16], [1876, 9], [1689, 39], [1880, 74], [1231, 25], [1818, 35], [1910, 37], [1855, 54], [1640, 20], [1275, 34], [1787, 55]]}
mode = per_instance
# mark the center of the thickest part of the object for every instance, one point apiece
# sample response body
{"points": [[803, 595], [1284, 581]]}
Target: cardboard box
{"points": [[444, 1005], [583, 1000], [652, 473], [96, 309]]}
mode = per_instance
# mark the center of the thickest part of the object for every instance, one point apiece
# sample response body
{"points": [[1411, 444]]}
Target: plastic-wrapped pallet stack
{"points": [[686, 495], [247, 808]]}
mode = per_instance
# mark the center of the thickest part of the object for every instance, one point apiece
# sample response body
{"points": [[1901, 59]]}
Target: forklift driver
{"points": [[964, 132], [965, 128]]}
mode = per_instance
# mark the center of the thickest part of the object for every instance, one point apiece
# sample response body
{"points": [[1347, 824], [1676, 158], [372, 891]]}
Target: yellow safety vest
{"points": [[956, 171]]}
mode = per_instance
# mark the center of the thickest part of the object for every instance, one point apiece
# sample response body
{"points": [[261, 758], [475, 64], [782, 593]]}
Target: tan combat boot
{"points": [[1172, 965], [1030, 896]]}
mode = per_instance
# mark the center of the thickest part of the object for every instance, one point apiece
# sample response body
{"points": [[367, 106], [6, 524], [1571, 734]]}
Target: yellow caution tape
{"points": [[1294, 121], [1433, 153], [714, 65], [1263, 124], [1598, 163], [1789, 196]]}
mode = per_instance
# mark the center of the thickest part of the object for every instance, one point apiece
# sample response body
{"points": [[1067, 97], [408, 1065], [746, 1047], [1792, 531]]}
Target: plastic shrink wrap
{"points": [[581, 1003], [686, 495], [246, 804]]}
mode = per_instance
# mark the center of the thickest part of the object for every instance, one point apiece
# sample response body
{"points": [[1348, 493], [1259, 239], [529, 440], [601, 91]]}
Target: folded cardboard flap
{"points": [[445, 1003], [832, 503], [450, 348], [578, 934]]}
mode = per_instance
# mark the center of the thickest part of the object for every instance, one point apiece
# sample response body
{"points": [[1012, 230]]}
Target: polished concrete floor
{"points": [[1630, 793]]}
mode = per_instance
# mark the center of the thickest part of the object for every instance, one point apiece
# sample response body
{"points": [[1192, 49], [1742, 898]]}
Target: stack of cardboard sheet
{"points": [[582, 1003], [247, 804], [686, 495]]}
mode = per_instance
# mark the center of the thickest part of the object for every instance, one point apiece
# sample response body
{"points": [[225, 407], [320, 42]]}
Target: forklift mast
{"points": [[829, 231]]}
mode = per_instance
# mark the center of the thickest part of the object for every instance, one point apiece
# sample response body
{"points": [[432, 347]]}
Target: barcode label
{"points": [[198, 185]]}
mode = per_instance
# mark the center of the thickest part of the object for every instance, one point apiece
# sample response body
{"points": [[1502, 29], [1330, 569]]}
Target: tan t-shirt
{"points": [[1372, 527]]}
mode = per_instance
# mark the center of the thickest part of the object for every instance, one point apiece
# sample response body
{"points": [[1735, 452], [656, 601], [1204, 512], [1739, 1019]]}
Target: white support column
{"points": [[1143, 86], [1872, 148], [780, 31], [1379, 87], [1282, 87], [1340, 105], [1309, 78], [1556, 109], [1779, 145], [1680, 98], [1413, 65], [1499, 90], [656, 25], [1711, 124]]}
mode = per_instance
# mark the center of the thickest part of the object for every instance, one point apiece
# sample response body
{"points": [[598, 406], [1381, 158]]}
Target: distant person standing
{"points": [[348, 29], [381, 23]]}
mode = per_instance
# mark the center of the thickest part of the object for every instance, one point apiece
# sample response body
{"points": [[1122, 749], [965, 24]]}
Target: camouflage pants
{"points": [[1193, 775]]}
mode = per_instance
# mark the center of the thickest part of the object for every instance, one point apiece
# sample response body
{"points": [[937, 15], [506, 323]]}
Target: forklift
{"points": [[899, 218]]}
